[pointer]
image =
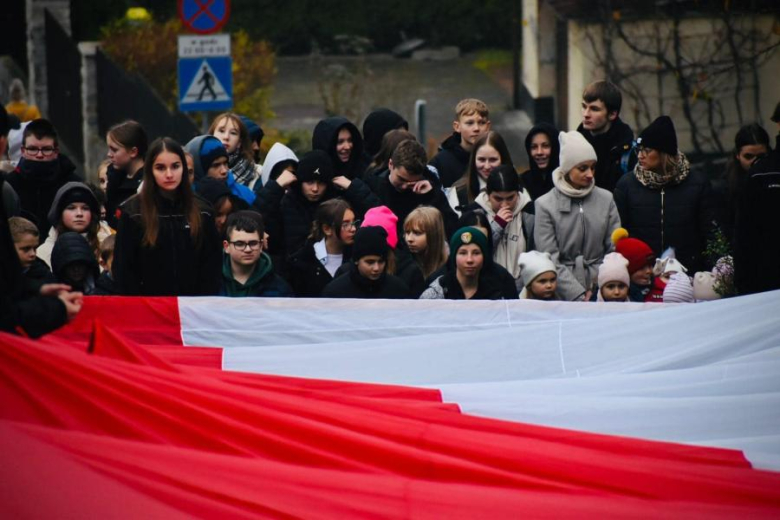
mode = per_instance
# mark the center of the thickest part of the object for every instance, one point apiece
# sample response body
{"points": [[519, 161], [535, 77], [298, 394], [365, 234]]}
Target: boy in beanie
{"points": [[614, 279], [367, 276], [539, 275], [641, 260]]}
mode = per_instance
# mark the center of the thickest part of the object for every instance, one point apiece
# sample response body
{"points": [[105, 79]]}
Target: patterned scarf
{"points": [[656, 181], [243, 170]]}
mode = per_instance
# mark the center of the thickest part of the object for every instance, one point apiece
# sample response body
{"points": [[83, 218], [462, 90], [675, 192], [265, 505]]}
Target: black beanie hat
{"points": [[315, 166], [370, 240], [660, 135], [213, 189]]}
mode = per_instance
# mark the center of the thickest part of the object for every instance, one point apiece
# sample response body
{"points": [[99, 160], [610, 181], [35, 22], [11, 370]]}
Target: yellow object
{"points": [[619, 234], [138, 14], [23, 111]]}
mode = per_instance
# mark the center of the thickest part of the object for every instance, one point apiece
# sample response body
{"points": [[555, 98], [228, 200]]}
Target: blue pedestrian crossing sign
{"points": [[205, 73]]}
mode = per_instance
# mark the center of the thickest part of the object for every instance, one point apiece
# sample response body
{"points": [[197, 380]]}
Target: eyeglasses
{"points": [[241, 245], [644, 150], [350, 225], [46, 151]]}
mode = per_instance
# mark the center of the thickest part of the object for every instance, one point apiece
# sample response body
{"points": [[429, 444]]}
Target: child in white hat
{"points": [[539, 275], [614, 279]]}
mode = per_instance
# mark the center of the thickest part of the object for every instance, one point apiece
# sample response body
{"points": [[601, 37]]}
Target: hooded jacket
{"points": [[577, 232], [611, 148], [326, 135], [452, 161], [176, 265], [262, 282], [239, 190], [22, 309], [44, 251], [37, 187], [298, 212], [70, 248], [353, 285], [757, 234], [375, 126], [538, 181]]}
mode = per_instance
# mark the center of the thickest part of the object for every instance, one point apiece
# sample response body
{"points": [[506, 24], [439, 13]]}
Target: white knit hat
{"points": [[668, 263], [534, 263], [678, 289], [575, 149], [614, 269]]}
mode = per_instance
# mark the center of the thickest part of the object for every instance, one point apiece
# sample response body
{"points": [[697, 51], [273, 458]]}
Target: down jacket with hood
{"points": [[269, 201], [326, 135], [536, 180], [577, 232], [239, 190]]}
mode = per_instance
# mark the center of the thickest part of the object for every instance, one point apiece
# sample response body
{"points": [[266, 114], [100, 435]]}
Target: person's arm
{"points": [[613, 222], [358, 194], [546, 241]]}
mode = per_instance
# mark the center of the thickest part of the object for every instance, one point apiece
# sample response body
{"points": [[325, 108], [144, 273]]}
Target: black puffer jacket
{"points": [[175, 266], [120, 188], [326, 135], [451, 161], [538, 181], [298, 212], [36, 191], [612, 147], [757, 233], [352, 285], [680, 216], [70, 248]]}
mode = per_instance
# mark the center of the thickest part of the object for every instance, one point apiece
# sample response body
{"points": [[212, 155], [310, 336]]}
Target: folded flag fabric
{"points": [[210, 407]]}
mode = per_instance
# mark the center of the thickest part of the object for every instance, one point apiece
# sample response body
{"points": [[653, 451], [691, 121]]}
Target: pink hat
{"points": [[614, 268], [383, 217]]}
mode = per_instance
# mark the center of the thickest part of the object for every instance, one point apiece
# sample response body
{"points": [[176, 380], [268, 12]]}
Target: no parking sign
{"points": [[204, 16]]}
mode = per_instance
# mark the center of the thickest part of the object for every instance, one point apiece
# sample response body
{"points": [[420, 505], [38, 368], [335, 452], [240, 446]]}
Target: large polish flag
{"points": [[276, 408]]}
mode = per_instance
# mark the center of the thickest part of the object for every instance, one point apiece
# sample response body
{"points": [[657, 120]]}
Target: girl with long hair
{"points": [[167, 242], [426, 240], [489, 151], [231, 130]]}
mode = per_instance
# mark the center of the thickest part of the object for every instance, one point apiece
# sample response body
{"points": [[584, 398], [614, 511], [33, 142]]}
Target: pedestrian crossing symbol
{"points": [[205, 84]]}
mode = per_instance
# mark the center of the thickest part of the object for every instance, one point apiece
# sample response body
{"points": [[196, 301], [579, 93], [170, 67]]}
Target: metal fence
{"points": [[63, 70], [123, 96]]}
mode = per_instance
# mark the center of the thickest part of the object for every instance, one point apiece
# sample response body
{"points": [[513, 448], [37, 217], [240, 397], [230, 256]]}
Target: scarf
{"points": [[567, 189], [243, 169], [513, 240], [654, 180]]}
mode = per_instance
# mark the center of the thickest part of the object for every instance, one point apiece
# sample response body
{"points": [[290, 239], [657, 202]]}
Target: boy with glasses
{"points": [[246, 269], [41, 171]]}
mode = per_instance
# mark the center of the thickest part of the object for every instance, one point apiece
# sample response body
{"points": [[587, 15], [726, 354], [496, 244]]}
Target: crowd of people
{"points": [[599, 216]]}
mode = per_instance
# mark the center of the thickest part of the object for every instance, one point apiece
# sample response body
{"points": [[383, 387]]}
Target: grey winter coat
{"points": [[577, 232]]}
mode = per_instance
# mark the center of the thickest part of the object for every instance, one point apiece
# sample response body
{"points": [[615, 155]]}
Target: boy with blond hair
{"points": [[472, 120], [26, 238]]}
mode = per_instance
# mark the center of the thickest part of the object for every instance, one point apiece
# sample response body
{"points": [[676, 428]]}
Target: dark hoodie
{"points": [[538, 181], [262, 282], [611, 147], [71, 248], [36, 183], [326, 135], [452, 161], [376, 125]]}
